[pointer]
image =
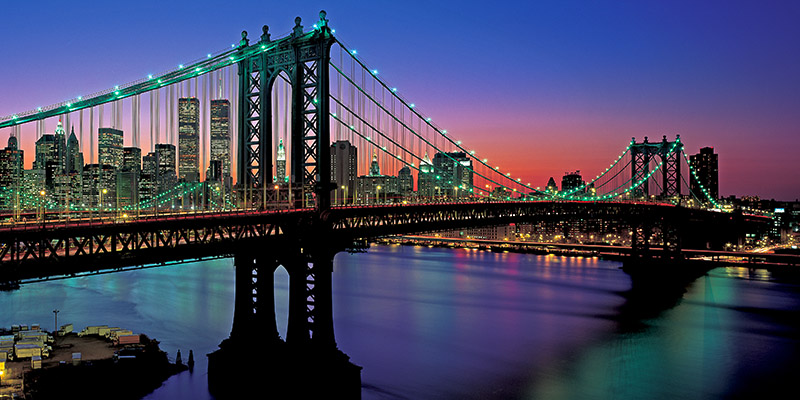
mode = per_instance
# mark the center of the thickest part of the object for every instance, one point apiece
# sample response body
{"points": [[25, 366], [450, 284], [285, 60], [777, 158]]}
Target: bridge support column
{"points": [[311, 300], [308, 364], [297, 332], [254, 298]]}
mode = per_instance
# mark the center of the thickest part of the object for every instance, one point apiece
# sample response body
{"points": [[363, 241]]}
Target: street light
{"points": [[378, 194], [344, 199], [41, 202], [55, 313], [102, 192]]}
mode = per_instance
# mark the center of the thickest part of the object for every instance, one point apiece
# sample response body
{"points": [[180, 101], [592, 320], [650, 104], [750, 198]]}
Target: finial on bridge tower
{"points": [[265, 34], [323, 21], [664, 139], [245, 41], [298, 29], [645, 139]]}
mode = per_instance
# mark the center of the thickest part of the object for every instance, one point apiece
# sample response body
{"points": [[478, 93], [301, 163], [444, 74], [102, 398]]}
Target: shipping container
{"points": [[27, 350], [128, 339], [120, 332], [36, 362]]}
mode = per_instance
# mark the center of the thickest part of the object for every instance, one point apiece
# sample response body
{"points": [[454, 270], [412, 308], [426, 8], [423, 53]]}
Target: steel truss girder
{"points": [[132, 242]]}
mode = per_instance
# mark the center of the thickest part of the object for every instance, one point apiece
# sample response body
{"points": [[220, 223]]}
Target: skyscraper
{"points": [[573, 183], [11, 170], [47, 160], [220, 135], [426, 180], [128, 176], [188, 139], [99, 186], [132, 158], [453, 173], [60, 149], [109, 147], [74, 155], [280, 168], [706, 166], [148, 180], [344, 168], [165, 161], [405, 182]]}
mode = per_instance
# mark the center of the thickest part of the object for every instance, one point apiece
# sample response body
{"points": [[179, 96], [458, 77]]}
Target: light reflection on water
{"points": [[440, 323]]}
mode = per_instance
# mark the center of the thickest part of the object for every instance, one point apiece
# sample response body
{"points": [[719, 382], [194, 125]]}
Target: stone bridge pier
{"points": [[305, 364]]}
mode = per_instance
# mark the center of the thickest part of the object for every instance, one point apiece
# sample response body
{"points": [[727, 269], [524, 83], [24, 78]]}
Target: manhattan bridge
{"points": [[284, 152]]}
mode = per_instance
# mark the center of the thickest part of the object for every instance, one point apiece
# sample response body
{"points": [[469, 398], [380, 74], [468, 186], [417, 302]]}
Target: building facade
{"points": [[220, 142], [344, 169], [188, 139], [706, 166]]}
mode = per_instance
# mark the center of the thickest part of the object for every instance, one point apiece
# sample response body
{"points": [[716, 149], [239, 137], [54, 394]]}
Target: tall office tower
{"points": [[706, 166], [109, 147], [47, 160], [165, 162], [405, 182], [11, 170], [45, 151], [132, 158], [148, 180], [454, 172], [427, 185], [344, 168], [220, 135], [128, 176], [280, 167], [60, 149], [188, 139], [74, 155], [572, 183]]}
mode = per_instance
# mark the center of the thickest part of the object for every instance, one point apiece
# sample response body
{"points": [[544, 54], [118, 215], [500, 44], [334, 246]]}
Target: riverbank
{"points": [[101, 370]]}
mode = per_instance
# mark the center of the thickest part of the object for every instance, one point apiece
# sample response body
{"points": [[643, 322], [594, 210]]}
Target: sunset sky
{"points": [[544, 86]]}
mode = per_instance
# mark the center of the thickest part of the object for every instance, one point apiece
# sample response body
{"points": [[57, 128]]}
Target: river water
{"points": [[432, 323]]}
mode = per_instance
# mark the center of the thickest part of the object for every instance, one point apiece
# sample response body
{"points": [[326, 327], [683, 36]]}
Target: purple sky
{"points": [[546, 87]]}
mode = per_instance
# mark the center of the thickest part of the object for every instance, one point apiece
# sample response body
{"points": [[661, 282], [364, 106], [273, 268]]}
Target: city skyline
{"points": [[578, 79]]}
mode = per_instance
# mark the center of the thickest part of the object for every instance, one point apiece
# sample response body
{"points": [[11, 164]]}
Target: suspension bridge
{"points": [[325, 155]]}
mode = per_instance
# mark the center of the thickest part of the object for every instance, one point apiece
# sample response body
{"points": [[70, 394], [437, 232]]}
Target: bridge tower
{"points": [[304, 57], [669, 156], [308, 361]]}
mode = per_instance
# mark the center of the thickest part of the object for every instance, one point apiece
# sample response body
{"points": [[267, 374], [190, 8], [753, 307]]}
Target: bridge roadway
{"points": [[63, 248]]}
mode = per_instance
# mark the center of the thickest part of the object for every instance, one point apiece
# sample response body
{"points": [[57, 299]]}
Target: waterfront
{"points": [[441, 323]]}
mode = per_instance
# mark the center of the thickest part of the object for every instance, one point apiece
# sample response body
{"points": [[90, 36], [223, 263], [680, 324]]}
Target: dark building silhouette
{"points": [[572, 183], [344, 168], [706, 166]]}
